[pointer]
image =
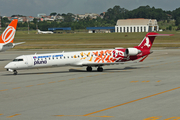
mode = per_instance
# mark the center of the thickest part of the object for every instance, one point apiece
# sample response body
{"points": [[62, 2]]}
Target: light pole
{"points": [[28, 26]]}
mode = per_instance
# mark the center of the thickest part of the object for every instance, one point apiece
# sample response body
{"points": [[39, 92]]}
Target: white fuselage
{"points": [[78, 58], [45, 32]]}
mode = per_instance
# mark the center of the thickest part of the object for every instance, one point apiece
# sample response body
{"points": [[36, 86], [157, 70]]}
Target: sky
{"points": [[33, 7]]}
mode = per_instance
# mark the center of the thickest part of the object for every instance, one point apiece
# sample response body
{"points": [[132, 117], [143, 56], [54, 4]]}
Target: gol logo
{"points": [[8, 34]]}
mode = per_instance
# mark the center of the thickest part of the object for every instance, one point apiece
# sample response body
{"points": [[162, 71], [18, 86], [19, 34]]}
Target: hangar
{"points": [[136, 25], [100, 29], [64, 28]]}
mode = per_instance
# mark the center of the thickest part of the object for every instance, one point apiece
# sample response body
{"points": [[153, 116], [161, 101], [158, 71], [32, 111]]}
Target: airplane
{"points": [[7, 37], [44, 32], [93, 58]]}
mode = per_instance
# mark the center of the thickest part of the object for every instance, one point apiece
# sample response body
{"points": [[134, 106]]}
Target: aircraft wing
{"points": [[113, 63], [8, 45], [14, 44], [100, 64]]}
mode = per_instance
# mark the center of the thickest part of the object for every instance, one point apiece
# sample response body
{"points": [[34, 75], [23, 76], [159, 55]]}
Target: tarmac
{"points": [[133, 91]]}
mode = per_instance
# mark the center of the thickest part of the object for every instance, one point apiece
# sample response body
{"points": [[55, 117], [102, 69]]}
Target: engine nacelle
{"points": [[132, 51]]}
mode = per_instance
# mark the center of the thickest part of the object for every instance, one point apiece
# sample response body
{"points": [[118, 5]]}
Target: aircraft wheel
{"points": [[89, 68], [15, 72], [99, 69]]}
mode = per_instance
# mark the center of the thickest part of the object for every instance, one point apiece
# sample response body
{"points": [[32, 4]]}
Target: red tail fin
{"points": [[9, 33], [149, 39]]}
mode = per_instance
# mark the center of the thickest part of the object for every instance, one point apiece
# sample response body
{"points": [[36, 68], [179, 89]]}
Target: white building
{"points": [[136, 25]]}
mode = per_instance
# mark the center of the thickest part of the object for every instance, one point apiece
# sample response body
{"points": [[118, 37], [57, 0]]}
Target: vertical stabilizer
{"points": [[149, 39], [8, 35]]}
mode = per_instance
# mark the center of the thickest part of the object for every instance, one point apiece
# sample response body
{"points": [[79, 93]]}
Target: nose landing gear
{"points": [[14, 71]]}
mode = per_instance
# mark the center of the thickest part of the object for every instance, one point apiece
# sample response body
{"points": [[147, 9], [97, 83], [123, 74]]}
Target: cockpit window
{"points": [[15, 60], [20, 59]]}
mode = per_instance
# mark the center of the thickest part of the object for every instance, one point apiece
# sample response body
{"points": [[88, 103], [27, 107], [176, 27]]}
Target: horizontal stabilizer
{"points": [[157, 34], [18, 43], [8, 45]]}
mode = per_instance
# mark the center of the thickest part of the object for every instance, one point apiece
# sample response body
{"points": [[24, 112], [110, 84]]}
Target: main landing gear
{"points": [[15, 72], [99, 69], [89, 68]]}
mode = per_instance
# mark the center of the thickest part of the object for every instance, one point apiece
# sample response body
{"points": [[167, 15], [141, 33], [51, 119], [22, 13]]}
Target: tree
{"points": [[170, 27], [53, 14], [177, 21], [178, 27], [4, 21]]}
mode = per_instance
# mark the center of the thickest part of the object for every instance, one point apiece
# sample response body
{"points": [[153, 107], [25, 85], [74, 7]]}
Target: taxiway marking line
{"points": [[80, 116], [153, 118], [1, 114], [29, 85], [61, 80], [41, 84], [13, 116], [17, 88], [131, 101], [173, 118], [3, 90]]}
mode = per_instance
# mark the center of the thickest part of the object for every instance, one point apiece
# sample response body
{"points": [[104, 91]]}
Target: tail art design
{"points": [[8, 35]]}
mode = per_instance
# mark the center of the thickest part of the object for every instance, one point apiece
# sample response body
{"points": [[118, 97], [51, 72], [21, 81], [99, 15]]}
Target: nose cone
{"points": [[9, 66]]}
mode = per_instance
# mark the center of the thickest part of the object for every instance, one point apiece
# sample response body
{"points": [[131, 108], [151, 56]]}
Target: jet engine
{"points": [[132, 51]]}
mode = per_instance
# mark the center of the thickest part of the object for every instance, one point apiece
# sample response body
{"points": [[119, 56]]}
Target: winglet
{"points": [[9, 33]]}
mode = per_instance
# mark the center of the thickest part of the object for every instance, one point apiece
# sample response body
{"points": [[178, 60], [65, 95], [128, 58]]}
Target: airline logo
{"points": [[147, 42], [8, 34], [40, 62], [47, 56]]}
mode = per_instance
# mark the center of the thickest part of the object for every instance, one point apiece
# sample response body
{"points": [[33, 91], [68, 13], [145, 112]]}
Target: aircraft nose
{"points": [[8, 66]]}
